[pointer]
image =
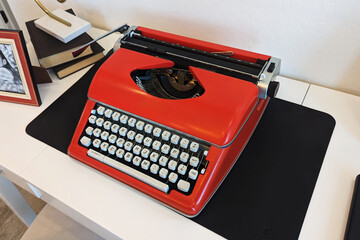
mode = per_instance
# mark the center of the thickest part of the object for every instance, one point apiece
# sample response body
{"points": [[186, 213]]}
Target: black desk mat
{"points": [[266, 194]]}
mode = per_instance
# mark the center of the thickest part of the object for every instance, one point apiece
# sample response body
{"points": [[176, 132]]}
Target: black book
{"points": [[52, 52]]}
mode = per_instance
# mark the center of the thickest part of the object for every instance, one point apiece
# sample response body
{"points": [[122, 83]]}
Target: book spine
{"points": [[61, 58], [78, 66]]}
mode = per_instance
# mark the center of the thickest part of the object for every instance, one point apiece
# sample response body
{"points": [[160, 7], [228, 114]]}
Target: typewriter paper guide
{"points": [[217, 116]]}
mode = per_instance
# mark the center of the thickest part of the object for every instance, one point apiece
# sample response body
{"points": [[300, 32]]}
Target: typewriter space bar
{"points": [[128, 170]]}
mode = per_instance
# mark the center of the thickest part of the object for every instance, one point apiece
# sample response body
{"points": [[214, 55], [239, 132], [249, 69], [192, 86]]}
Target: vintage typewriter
{"points": [[169, 115]]}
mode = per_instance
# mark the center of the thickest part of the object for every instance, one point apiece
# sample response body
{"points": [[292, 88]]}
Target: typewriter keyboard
{"points": [[154, 154]]}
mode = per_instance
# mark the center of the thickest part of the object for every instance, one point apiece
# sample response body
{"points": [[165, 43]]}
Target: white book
{"points": [[61, 31]]}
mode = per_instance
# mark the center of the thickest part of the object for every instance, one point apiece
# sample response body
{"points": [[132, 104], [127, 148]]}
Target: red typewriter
{"points": [[169, 115]]}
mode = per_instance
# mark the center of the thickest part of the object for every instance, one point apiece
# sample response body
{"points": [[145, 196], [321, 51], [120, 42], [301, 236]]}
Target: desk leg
{"points": [[16, 202]]}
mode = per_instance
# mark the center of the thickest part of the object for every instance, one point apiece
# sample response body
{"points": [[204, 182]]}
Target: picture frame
{"points": [[17, 83]]}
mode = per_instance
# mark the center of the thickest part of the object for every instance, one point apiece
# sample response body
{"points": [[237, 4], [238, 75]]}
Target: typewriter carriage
{"points": [[257, 68]]}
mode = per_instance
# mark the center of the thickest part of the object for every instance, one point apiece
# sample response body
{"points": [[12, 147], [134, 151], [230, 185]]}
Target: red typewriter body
{"points": [[224, 116]]}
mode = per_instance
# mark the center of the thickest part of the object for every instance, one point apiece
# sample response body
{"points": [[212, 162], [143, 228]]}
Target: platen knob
{"points": [[273, 88]]}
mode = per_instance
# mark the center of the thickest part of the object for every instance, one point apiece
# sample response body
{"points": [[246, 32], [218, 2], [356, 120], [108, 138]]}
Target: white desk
{"points": [[114, 210]]}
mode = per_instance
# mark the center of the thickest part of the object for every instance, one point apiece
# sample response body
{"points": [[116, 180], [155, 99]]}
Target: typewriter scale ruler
{"points": [[183, 57]]}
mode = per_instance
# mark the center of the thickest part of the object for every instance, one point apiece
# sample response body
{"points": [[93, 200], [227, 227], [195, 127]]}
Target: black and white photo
{"points": [[17, 83], [10, 80]]}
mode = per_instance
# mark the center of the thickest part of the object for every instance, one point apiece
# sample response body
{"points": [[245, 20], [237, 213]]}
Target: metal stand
{"points": [[15, 201]]}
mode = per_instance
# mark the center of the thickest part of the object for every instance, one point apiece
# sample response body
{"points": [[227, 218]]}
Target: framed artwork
{"points": [[17, 83]]}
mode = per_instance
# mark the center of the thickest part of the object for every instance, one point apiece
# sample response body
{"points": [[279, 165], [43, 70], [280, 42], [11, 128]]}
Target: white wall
{"points": [[317, 40]]}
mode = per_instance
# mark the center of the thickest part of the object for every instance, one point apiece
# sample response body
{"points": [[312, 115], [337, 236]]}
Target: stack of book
{"points": [[57, 55]]}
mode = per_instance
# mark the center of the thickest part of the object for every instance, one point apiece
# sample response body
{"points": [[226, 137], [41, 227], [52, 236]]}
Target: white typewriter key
{"points": [[165, 135], [89, 130], [112, 149], [205, 153], [115, 128], [175, 139], [172, 165], [145, 164], [165, 149], [100, 110], [154, 156], [184, 143], [132, 122], [108, 113], [112, 138], [128, 156], [182, 169], [124, 119], [97, 132], [184, 157], [148, 128], [128, 146], [140, 125], [145, 153], [96, 155], [173, 177], [174, 152], [194, 147], [107, 125], [194, 161], [183, 185], [92, 119], [147, 141], [156, 145], [139, 137], [163, 173], [123, 131], [120, 142], [136, 150], [154, 168], [104, 146], [116, 116], [131, 135], [85, 141], [93, 111], [99, 122], [104, 136], [157, 132], [137, 160], [96, 143], [203, 171], [193, 174], [120, 153], [163, 161]]}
